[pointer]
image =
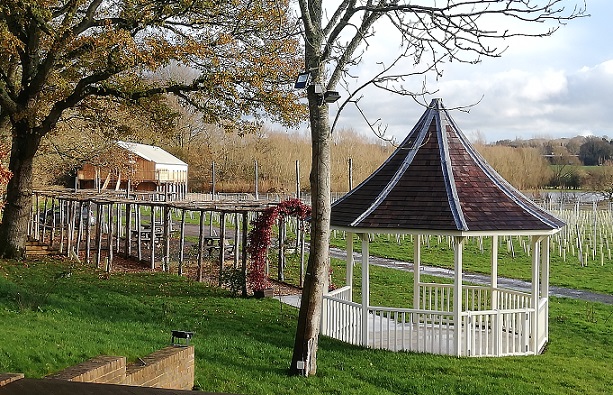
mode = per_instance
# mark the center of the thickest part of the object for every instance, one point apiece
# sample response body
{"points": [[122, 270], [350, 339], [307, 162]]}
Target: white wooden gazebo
{"points": [[436, 183]]}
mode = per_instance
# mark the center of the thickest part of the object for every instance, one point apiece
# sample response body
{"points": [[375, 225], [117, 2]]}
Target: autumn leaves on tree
{"points": [[59, 58]]}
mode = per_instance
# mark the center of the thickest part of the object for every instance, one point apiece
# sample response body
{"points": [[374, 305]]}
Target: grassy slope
{"points": [[50, 321]]}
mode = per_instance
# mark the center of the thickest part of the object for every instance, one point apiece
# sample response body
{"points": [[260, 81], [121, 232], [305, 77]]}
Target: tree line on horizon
{"points": [[280, 157], [532, 164], [580, 162]]}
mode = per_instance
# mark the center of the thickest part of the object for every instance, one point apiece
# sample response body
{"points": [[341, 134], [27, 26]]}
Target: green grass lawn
{"points": [[54, 315]]}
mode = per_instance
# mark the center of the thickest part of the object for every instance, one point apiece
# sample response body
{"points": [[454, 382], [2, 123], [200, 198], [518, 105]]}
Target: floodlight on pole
{"points": [[331, 96], [302, 80]]}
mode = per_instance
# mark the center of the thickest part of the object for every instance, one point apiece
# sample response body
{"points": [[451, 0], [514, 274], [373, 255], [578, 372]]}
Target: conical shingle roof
{"points": [[437, 181]]}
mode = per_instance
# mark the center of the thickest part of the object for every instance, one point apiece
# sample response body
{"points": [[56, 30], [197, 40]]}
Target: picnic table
{"points": [[145, 233], [213, 244]]}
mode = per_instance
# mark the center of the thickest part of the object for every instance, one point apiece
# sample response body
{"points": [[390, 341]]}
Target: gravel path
{"points": [[480, 279]]}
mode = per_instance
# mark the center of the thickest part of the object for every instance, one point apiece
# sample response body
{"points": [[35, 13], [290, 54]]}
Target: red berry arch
{"points": [[260, 235]]}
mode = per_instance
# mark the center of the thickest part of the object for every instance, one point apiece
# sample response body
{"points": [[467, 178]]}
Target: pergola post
{"points": [[222, 245], [237, 238], [536, 258], [128, 239], [416, 270], [349, 260], [181, 244], [152, 237], [201, 245], [457, 294], [365, 290]]}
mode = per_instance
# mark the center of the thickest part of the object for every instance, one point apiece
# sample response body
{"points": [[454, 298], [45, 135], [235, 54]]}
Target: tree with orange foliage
{"points": [[57, 56]]}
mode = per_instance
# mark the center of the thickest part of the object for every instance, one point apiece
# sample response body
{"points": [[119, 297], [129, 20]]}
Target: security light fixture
{"points": [[302, 80], [177, 335], [331, 96]]}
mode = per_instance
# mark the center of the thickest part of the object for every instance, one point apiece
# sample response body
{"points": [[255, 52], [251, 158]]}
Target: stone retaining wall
{"points": [[6, 378], [171, 367]]}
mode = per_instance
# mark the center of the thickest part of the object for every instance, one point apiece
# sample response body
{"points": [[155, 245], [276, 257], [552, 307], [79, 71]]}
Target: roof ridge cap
{"points": [[447, 169]]}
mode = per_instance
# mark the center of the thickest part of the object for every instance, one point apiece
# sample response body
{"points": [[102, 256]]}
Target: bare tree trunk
{"points": [[304, 359], [13, 230]]}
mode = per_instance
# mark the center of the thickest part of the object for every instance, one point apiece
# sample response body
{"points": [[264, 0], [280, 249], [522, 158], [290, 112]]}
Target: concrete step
{"points": [[36, 248]]}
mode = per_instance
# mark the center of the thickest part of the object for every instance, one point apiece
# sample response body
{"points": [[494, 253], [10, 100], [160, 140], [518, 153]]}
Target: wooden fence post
{"points": [[109, 257], [222, 244], [152, 237], [244, 250], [200, 246], [167, 222], [181, 243]]}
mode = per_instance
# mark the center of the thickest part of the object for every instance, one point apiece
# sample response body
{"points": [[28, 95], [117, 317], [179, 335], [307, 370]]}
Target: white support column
{"points": [[457, 294], [497, 324], [416, 270], [494, 284], [349, 260], [545, 284], [365, 290], [536, 258], [545, 267]]}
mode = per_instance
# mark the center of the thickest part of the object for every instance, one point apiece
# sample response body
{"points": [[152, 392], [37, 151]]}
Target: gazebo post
{"points": [[365, 289], [545, 285], [536, 259], [494, 292], [416, 270], [494, 280], [534, 291], [349, 261], [457, 294]]}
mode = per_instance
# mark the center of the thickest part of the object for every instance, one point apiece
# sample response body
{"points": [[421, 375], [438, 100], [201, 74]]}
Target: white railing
{"points": [[486, 332], [509, 300], [439, 297], [410, 330], [496, 333], [343, 293], [477, 298], [342, 319]]}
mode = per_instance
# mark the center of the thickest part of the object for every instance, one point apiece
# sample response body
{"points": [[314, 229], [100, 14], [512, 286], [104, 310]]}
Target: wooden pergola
{"points": [[99, 226], [436, 183]]}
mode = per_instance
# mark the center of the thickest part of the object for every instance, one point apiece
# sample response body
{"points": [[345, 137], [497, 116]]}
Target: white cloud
{"points": [[554, 86], [544, 86], [514, 103]]}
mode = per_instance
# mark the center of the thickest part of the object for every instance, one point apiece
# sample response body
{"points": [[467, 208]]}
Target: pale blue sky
{"points": [[558, 86]]}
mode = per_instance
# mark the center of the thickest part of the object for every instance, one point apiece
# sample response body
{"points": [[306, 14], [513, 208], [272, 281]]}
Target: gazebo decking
{"points": [[436, 183]]}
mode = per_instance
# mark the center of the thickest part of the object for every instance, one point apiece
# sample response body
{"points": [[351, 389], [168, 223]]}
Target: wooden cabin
{"points": [[135, 167]]}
